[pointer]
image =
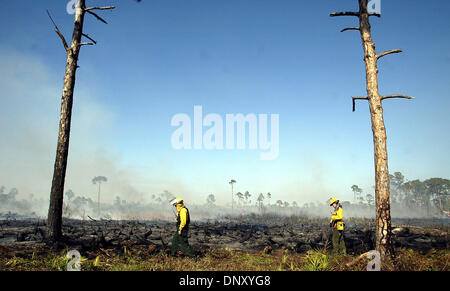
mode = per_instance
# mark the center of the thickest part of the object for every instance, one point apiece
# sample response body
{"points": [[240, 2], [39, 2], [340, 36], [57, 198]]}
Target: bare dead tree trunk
{"points": [[232, 193], [54, 220], [56, 196], [384, 243]]}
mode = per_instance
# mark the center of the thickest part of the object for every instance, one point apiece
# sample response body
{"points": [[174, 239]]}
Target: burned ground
{"points": [[20, 237]]}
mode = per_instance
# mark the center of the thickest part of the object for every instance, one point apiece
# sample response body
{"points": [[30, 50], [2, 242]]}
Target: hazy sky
{"points": [[158, 58]]}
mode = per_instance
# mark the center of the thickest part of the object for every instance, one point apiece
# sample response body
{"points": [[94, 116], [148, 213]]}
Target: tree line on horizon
{"points": [[431, 195]]}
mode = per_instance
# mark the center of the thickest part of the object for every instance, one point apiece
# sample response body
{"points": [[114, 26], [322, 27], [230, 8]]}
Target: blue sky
{"points": [[158, 58]]}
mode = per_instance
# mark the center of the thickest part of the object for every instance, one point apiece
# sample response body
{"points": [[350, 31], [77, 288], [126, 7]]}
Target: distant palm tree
{"points": [[356, 192], [260, 201], [268, 197], [231, 183], [98, 180]]}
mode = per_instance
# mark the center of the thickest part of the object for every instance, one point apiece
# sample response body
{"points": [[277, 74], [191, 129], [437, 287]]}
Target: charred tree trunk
{"points": [[62, 151], [54, 220], [384, 243]]}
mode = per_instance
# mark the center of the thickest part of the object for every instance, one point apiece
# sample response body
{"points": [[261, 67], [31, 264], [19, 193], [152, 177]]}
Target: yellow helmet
{"points": [[333, 200], [176, 201]]}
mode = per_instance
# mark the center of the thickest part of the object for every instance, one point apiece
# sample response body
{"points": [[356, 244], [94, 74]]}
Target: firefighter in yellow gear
{"points": [[337, 224], [180, 238]]}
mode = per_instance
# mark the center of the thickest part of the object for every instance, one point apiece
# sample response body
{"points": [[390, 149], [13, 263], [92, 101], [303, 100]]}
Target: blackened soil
{"points": [[243, 233]]}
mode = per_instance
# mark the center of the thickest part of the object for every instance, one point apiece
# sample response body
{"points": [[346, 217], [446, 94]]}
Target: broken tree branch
{"points": [[85, 43], [344, 14], [96, 16], [99, 8], [378, 56], [350, 28], [66, 47], [396, 96], [381, 97], [357, 98], [48, 13], [88, 37], [349, 13]]}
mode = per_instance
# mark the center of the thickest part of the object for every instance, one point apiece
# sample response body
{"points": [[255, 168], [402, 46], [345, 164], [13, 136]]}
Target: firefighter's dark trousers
{"points": [[181, 241], [338, 242]]}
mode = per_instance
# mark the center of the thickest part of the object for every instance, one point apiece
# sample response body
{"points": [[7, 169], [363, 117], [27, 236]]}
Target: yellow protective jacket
{"points": [[336, 218], [182, 216]]}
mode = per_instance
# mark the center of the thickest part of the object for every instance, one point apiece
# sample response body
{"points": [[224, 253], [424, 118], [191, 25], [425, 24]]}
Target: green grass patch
{"points": [[224, 260]]}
